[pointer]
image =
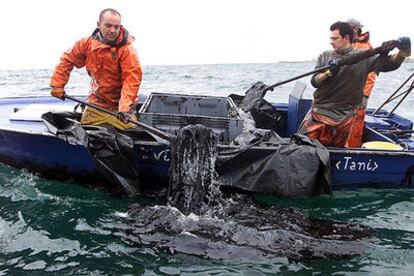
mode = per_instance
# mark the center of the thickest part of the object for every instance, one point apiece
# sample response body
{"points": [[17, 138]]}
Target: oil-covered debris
{"points": [[242, 229], [201, 221], [193, 186]]}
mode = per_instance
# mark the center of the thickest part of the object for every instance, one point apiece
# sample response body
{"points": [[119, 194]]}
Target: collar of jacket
{"points": [[121, 40], [344, 51], [362, 38]]}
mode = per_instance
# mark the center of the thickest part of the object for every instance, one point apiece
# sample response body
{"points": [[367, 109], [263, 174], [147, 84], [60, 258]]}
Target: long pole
{"points": [[151, 129], [348, 60]]}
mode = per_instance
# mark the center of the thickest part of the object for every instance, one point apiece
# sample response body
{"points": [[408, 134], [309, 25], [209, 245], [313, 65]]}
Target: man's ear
{"points": [[347, 36]]}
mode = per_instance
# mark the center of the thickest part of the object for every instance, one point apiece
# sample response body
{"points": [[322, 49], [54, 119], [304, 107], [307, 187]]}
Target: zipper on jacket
{"points": [[113, 51]]}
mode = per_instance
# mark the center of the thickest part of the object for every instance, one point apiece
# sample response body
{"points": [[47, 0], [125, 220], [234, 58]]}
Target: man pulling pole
{"points": [[339, 89]]}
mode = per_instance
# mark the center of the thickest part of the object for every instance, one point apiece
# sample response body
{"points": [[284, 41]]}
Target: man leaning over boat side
{"points": [[113, 65], [339, 90], [360, 41]]}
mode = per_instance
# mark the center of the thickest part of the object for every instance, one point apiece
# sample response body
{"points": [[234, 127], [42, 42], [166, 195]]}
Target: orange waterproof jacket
{"points": [[362, 42], [115, 70]]}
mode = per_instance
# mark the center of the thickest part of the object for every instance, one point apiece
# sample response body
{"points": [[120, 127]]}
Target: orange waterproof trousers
{"points": [[355, 139], [329, 132]]}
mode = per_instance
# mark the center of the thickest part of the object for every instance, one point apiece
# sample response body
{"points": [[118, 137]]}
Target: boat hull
{"points": [[26, 143], [54, 158], [47, 155]]}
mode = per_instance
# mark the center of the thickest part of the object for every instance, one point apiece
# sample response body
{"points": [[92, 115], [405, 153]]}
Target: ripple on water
{"points": [[17, 237], [399, 216]]}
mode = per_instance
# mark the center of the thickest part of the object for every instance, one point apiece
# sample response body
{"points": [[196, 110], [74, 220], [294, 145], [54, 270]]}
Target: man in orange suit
{"points": [[112, 62], [360, 41]]}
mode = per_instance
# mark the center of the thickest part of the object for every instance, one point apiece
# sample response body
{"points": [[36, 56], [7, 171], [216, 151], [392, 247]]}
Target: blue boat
{"points": [[26, 142]]}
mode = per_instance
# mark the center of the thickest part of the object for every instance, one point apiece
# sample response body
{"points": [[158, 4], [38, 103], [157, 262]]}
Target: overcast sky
{"points": [[35, 33]]}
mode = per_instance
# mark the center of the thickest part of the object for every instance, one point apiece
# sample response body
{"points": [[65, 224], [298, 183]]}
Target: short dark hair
{"points": [[344, 29], [112, 11]]}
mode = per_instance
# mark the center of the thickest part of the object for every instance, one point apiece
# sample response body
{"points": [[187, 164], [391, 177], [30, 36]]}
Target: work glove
{"points": [[404, 45], [58, 92], [124, 117], [388, 46], [333, 67]]}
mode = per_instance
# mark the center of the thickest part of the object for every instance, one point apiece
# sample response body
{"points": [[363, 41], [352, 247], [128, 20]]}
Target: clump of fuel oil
{"points": [[199, 220]]}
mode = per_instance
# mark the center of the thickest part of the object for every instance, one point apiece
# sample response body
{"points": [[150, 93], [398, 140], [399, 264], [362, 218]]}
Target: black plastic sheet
{"points": [[292, 169], [111, 150], [264, 114]]}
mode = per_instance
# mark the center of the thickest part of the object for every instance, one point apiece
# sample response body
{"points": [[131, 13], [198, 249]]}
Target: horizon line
{"points": [[409, 60]]}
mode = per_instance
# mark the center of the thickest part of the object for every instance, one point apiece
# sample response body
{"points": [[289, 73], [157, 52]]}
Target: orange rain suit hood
{"points": [[115, 70]]}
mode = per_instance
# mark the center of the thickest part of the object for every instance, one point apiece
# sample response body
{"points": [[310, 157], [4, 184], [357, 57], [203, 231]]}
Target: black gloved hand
{"points": [[124, 117], [389, 45], [333, 67], [404, 45]]}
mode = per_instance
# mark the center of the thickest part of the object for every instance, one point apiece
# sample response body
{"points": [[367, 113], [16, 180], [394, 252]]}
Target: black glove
{"points": [[333, 67], [124, 117], [388, 46], [404, 45]]}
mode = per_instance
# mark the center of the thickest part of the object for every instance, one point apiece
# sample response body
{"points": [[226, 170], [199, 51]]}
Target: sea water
{"points": [[61, 228]]}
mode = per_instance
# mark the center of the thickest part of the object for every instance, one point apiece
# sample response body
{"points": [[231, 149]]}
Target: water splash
{"points": [[193, 185], [21, 187]]}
